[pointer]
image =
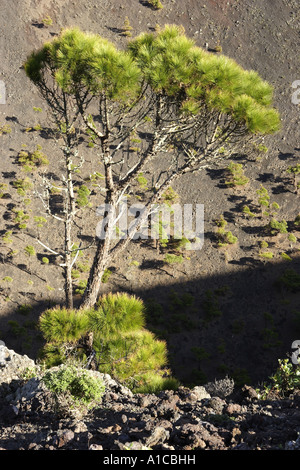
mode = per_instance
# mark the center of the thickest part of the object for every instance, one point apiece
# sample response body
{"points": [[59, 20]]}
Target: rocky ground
{"points": [[255, 318], [255, 325], [217, 416]]}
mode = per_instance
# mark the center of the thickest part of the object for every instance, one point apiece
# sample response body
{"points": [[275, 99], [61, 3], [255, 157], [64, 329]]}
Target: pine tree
{"points": [[112, 337], [189, 102]]}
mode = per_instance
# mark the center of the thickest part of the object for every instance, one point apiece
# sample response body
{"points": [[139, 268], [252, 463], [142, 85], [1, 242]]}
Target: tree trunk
{"points": [[102, 256], [70, 212], [100, 262], [68, 282], [86, 342]]}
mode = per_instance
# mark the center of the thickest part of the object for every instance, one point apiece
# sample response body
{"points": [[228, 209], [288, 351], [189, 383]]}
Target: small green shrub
{"points": [[275, 206], [284, 381], [275, 226], [179, 244], [75, 249], [106, 275], [260, 148], [94, 177], [80, 287], [30, 161], [229, 238], [156, 4], [5, 129], [17, 329], [12, 253], [200, 353], [292, 238], [127, 29], [83, 267], [236, 175], [28, 373], [173, 259], [155, 311], [224, 237], [40, 221], [170, 196], [6, 237], [23, 185], [134, 263], [47, 21], [180, 301], [142, 181], [29, 250], [290, 280], [3, 188], [211, 306], [24, 309], [295, 170], [75, 274], [264, 198], [266, 254], [218, 47], [20, 218], [221, 222], [74, 386], [285, 256], [247, 211], [271, 338], [83, 193]]}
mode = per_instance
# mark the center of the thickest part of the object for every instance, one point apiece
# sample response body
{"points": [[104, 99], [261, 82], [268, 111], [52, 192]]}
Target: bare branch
{"points": [[47, 248]]}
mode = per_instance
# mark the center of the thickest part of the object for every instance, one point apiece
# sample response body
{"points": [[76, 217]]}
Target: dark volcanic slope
{"points": [[256, 326]]}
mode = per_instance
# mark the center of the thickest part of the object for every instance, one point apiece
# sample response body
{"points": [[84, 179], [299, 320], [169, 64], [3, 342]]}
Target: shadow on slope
{"points": [[238, 323]]}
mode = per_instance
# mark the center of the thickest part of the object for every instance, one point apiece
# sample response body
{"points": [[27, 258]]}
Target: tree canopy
{"points": [[169, 62], [85, 62], [172, 64]]}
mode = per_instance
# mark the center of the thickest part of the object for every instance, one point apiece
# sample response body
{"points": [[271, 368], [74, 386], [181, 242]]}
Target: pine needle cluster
{"points": [[173, 64], [124, 348], [170, 62], [77, 60]]}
